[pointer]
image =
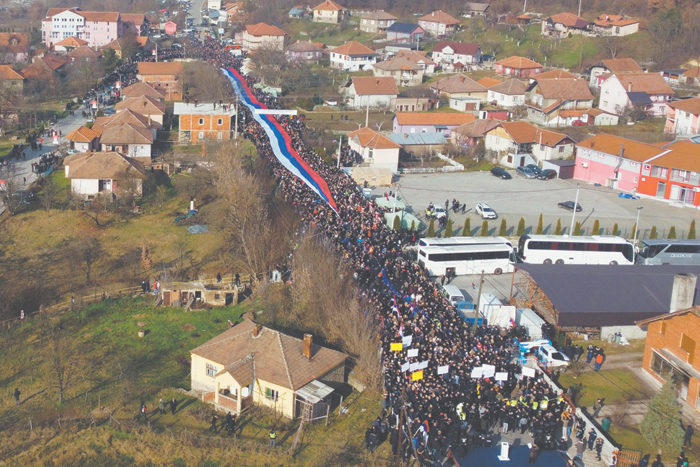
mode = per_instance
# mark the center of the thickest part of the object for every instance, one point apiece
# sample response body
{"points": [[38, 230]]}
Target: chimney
{"points": [[629, 87], [308, 340], [257, 330], [683, 292]]}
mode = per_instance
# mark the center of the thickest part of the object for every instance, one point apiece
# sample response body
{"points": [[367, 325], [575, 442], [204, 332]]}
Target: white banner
{"points": [[502, 376], [407, 340], [405, 367], [274, 112], [414, 366], [412, 352], [443, 369], [476, 373], [529, 372]]}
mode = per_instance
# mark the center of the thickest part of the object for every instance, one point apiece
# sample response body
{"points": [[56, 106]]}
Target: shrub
{"points": [[653, 233], [521, 227], [397, 223], [557, 230], [691, 232], [540, 226], [448, 229], [577, 229], [431, 228], [503, 231], [467, 229], [485, 229], [596, 228], [672, 232], [616, 230]]}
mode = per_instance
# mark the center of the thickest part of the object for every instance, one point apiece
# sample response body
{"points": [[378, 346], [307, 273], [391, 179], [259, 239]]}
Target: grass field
{"points": [[616, 386]]}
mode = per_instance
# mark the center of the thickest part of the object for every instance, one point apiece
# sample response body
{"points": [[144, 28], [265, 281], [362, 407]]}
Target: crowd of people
{"points": [[450, 409]]}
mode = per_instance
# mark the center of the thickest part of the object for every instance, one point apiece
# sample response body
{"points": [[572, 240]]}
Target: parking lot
{"points": [[519, 197]]}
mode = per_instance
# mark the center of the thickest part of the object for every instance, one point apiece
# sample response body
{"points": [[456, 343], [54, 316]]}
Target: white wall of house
{"points": [[465, 104], [686, 123], [82, 146], [85, 186], [345, 62], [613, 98], [378, 158], [504, 100], [378, 100]]}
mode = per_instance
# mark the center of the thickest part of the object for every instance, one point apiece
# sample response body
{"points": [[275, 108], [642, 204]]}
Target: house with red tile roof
{"points": [[329, 12], [163, 76], [376, 22], [674, 174], [353, 56], [546, 99], [84, 139], [691, 77], [456, 54], [404, 72], [98, 28], [563, 24], [625, 91], [146, 106], [263, 36], [378, 151], [518, 67], [439, 24], [683, 117], [615, 25], [14, 47], [95, 173], [521, 143], [10, 79], [136, 23], [371, 91], [602, 70], [509, 93]]}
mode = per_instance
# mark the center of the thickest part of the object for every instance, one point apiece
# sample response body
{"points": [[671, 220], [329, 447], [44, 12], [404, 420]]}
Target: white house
{"points": [[615, 25], [84, 139], [456, 54], [263, 36], [625, 91], [371, 91], [604, 68], [353, 56], [93, 173], [520, 143], [510, 93], [329, 12], [376, 150], [683, 117], [439, 24]]}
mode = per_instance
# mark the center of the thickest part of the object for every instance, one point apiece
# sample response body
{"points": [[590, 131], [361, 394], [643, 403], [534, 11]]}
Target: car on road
{"points": [[579, 123], [485, 211], [525, 172], [535, 168], [71, 151], [569, 205], [547, 174], [502, 173]]}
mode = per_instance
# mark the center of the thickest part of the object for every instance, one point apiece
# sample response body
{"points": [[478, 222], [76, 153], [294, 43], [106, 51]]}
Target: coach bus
{"points": [[494, 258], [563, 249], [458, 241], [676, 252]]}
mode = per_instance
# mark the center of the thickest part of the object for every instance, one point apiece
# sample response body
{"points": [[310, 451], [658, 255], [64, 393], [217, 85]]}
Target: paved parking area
{"points": [[519, 197]]}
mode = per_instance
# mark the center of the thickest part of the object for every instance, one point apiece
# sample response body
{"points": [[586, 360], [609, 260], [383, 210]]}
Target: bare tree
{"points": [[64, 361], [11, 196], [87, 251], [49, 192]]}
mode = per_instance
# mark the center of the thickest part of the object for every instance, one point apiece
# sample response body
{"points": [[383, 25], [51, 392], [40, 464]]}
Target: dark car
{"points": [[569, 205], [487, 58], [535, 168], [500, 172], [547, 174]]}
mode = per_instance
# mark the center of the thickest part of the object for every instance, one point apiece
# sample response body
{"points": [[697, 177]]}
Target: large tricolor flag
{"points": [[280, 141]]}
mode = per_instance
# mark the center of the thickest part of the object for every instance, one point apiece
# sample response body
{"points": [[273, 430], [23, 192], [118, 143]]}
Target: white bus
{"points": [[495, 258], [676, 252], [562, 249], [458, 241]]}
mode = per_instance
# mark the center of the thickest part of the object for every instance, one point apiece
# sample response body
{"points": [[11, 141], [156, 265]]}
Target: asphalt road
{"points": [[196, 12]]}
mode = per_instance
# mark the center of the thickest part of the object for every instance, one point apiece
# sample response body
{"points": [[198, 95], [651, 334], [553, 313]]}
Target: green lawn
{"points": [[614, 385]]}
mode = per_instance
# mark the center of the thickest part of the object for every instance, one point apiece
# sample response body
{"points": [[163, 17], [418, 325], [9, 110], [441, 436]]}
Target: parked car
{"points": [[487, 58], [535, 168], [579, 123], [500, 172], [547, 174], [525, 172], [569, 205], [109, 111], [485, 211]]}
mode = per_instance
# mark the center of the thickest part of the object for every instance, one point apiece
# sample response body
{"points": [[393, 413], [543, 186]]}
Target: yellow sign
{"points": [[397, 347], [417, 375]]}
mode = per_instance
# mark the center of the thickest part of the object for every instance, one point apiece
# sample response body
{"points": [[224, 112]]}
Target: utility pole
{"points": [[478, 301], [573, 214], [367, 116], [340, 143], [579, 8], [237, 104]]}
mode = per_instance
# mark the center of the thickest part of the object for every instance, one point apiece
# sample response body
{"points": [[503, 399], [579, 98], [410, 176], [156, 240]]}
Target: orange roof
{"points": [[143, 105], [414, 57], [137, 18], [72, 42], [683, 155], [567, 88], [439, 17], [375, 85], [262, 29], [518, 63], [572, 113], [457, 84], [142, 89], [488, 82], [434, 118], [614, 20], [622, 65], [142, 40], [523, 132], [52, 61], [82, 134], [329, 5], [353, 48], [687, 105], [633, 150], [159, 68], [7, 73], [15, 41], [693, 72], [553, 74], [512, 87], [569, 20], [84, 51], [651, 83], [101, 16], [367, 137]]}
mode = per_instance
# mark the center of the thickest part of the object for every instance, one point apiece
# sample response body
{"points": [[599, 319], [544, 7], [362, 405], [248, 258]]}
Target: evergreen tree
{"points": [[634, 229], [596, 228], [672, 232], [557, 230], [540, 227], [691, 232], [653, 233], [397, 223], [448, 229], [503, 231], [521, 227], [577, 229], [467, 229], [431, 228], [485, 229], [661, 426], [616, 229], [413, 225]]}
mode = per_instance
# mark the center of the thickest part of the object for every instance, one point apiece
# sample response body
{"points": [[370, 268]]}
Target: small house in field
{"points": [[370, 91], [84, 139], [163, 76], [518, 67], [95, 173], [329, 12], [378, 151]]}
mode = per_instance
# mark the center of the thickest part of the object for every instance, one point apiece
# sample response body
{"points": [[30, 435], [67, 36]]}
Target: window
{"points": [[636, 179], [561, 148], [221, 121], [271, 394], [688, 345], [211, 370], [217, 296], [663, 327], [201, 121], [605, 103], [657, 171]]}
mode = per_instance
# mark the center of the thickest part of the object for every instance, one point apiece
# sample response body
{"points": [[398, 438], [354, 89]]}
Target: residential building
{"points": [[214, 4], [613, 161], [204, 122], [84, 53], [547, 98], [377, 151], [672, 75], [518, 67], [488, 82], [615, 25], [404, 72], [163, 76], [299, 12], [472, 9], [148, 107], [329, 12], [605, 68], [136, 23], [14, 47], [412, 104], [563, 24], [405, 32], [170, 28], [418, 58], [509, 93], [94, 173], [139, 89], [48, 67], [376, 22], [420, 144], [303, 51], [84, 139], [622, 92], [369, 91], [683, 117], [439, 24], [98, 28], [115, 45], [593, 117], [691, 77], [456, 54], [253, 364], [674, 174], [552, 74], [431, 122], [353, 56], [520, 143], [130, 139], [459, 86], [263, 36], [11, 80], [235, 10], [471, 133]]}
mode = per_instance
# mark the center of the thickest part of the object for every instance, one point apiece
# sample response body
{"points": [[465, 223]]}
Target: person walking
{"points": [[229, 423], [534, 454], [589, 353], [613, 459], [214, 420], [218, 277], [372, 440], [143, 411], [681, 460], [273, 438], [599, 360], [17, 393], [173, 405], [161, 406], [597, 406], [688, 437], [657, 462]]}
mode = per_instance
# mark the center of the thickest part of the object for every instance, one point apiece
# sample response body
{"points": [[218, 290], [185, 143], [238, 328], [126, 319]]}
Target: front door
{"points": [[522, 161]]}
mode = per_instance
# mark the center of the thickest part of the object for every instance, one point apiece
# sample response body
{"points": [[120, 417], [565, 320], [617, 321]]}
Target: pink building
{"points": [[170, 28], [625, 91], [683, 117], [98, 28]]}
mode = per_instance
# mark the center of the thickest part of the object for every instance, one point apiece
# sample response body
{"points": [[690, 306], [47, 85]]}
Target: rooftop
{"points": [[609, 144], [182, 108], [691, 105], [523, 132], [458, 83], [82, 134], [353, 48], [439, 16], [405, 28], [512, 87], [569, 20], [375, 85], [262, 29], [683, 155], [622, 65], [103, 165], [418, 139], [518, 63], [142, 104], [379, 15], [367, 137], [558, 73], [139, 89], [7, 73], [71, 42], [565, 89], [433, 118], [397, 63], [126, 133], [477, 128], [159, 68], [651, 83], [329, 5], [460, 48]]}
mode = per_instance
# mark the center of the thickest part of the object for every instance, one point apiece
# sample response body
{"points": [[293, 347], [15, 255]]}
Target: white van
{"points": [[453, 294]]}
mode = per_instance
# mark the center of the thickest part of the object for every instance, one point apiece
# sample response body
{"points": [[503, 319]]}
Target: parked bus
{"points": [[561, 249], [495, 258], [677, 252], [458, 241]]}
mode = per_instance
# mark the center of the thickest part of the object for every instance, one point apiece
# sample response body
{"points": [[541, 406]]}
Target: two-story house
{"points": [[563, 24], [329, 12], [521, 143], [404, 72], [126, 132], [602, 70], [439, 24], [262, 36], [615, 25], [405, 32], [204, 122], [674, 174], [369, 91], [136, 23], [518, 67], [418, 58], [376, 22], [98, 28], [456, 54], [509, 93], [150, 108], [376, 150], [303, 51], [353, 56], [11, 80], [163, 76], [14, 47], [622, 92], [683, 117], [546, 99], [460, 86]]}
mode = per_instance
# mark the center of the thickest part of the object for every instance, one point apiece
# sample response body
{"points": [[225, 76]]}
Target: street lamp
{"points": [[634, 242], [573, 214]]}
